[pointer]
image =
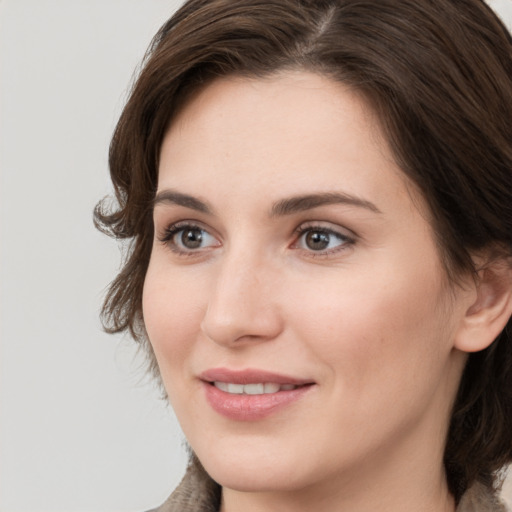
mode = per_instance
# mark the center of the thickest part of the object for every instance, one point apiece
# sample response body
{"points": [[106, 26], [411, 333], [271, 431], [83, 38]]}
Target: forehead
{"points": [[292, 130], [301, 95]]}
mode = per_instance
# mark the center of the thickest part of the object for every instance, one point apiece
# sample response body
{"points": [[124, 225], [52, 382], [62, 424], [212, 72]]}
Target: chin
{"points": [[250, 480], [254, 472]]}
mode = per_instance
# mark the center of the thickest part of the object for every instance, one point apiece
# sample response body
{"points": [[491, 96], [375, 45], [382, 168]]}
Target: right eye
{"points": [[187, 238]]}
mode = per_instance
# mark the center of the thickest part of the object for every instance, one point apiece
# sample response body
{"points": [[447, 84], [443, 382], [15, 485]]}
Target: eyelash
{"points": [[345, 241], [171, 231]]}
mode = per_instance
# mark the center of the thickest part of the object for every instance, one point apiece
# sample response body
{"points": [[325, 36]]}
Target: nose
{"points": [[242, 305]]}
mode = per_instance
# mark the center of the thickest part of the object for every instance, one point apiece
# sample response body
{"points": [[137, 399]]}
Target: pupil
{"points": [[317, 241], [192, 238]]}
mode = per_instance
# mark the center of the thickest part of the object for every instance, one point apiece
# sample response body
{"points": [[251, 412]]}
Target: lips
{"points": [[250, 376], [251, 395]]}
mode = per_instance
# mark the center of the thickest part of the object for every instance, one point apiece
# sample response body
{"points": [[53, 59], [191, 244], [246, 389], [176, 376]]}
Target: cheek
{"points": [[172, 318], [375, 333]]}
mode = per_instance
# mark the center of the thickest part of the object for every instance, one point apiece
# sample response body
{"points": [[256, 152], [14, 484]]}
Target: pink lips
{"points": [[244, 407]]}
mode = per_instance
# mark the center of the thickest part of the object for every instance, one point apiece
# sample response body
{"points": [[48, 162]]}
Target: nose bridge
{"points": [[240, 304]]}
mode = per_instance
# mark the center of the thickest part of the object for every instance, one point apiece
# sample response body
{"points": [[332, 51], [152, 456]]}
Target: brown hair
{"points": [[439, 75]]}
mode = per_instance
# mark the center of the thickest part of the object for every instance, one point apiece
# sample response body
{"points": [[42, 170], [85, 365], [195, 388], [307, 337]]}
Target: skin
{"points": [[371, 319]]}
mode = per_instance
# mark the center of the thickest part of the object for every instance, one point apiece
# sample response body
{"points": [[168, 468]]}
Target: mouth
{"points": [[250, 395], [266, 388], [251, 381]]}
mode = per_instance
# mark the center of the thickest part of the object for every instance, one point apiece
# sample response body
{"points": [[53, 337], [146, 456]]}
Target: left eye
{"points": [[319, 240], [189, 238]]}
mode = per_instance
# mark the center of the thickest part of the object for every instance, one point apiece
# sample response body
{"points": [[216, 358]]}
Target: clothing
{"points": [[197, 492]]}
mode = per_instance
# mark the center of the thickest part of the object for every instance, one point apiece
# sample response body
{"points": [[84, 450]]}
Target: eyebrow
{"points": [[310, 201], [173, 197], [283, 207]]}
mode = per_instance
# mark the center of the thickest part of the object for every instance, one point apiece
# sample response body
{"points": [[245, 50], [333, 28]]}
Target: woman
{"points": [[319, 196]]}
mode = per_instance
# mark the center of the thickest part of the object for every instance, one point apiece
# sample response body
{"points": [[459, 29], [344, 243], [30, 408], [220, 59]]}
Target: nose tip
{"points": [[242, 308], [236, 326]]}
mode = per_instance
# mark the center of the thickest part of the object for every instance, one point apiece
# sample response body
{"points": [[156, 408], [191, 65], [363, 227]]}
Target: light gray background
{"points": [[80, 430]]}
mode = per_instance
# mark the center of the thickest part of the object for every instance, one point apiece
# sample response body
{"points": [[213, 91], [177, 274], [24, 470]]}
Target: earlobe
{"points": [[489, 313]]}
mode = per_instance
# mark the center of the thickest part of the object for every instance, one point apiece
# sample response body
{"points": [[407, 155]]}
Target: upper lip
{"points": [[250, 376]]}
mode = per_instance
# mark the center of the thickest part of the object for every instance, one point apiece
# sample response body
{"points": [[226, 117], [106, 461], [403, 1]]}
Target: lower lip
{"points": [[251, 407]]}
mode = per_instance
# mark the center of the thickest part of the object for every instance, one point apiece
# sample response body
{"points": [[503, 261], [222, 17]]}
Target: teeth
{"points": [[236, 389], [271, 388], [253, 389], [223, 386]]}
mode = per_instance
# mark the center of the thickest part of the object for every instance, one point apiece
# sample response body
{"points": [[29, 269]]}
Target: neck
{"points": [[352, 498]]}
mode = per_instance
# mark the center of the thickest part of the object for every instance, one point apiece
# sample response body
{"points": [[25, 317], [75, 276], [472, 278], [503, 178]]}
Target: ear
{"points": [[490, 311]]}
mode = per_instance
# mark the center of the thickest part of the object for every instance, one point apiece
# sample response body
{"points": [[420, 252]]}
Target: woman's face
{"points": [[295, 298]]}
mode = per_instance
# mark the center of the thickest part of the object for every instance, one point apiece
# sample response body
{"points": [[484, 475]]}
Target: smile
{"points": [[253, 389], [252, 394]]}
